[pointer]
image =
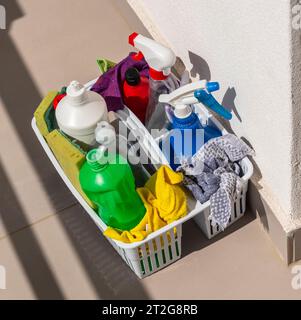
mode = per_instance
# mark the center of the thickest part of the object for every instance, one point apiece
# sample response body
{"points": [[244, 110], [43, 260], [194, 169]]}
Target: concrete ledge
{"points": [[297, 245], [288, 244]]}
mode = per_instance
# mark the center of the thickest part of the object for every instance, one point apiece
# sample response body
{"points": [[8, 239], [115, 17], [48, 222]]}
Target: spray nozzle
{"points": [[212, 86], [209, 101], [195, 92], [159, 58]]}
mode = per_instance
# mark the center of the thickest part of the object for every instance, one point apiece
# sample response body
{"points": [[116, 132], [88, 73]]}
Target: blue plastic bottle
{"points": [[187, 135]]}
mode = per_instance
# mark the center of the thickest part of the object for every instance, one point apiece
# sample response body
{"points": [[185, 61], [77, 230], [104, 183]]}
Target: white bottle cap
{"points": [[182, 111], [76, 91]]}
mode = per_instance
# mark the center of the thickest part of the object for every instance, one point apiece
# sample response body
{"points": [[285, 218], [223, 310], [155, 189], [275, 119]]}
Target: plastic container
{"points": [[160, 60], [110, 185], [163, 247], [136, 93], [78, 113], [185, 137]]}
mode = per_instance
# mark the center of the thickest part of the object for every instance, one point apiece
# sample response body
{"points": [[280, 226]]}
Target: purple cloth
{"points": [[109, 85]]}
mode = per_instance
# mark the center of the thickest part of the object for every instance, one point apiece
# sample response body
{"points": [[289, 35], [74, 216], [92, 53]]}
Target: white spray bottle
{"points": [[160, 60]]}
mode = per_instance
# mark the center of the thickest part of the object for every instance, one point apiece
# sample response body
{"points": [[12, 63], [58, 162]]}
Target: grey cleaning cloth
{"points": [[214, 174]]}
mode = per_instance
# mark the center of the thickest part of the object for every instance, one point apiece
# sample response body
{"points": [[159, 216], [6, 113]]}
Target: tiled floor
{"points": [[48, 245]]}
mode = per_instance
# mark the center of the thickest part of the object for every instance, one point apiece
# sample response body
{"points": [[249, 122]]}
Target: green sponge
{"points": [[105, 65]]}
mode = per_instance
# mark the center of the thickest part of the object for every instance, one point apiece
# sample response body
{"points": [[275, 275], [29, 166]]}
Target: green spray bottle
{"points": [[107, 180]]}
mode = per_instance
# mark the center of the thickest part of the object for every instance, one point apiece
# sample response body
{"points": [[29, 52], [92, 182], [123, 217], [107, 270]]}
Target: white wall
{"points": [[247, 46]]}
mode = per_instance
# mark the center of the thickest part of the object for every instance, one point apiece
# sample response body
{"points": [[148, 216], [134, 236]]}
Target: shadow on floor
{"points": [[20, 97], [194, 240], [30, 254], [108, 271]]}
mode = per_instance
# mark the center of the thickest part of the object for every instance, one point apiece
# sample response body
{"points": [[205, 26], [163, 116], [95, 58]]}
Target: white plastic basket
{"points": [[163, 247]]}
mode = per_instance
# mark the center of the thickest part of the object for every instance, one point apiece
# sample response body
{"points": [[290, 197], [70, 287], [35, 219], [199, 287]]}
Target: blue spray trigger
{"points": [[209, 101], [212, 86]]}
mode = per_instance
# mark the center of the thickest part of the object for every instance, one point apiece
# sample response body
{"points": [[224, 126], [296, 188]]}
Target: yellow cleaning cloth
{"points": [[165, 202]]}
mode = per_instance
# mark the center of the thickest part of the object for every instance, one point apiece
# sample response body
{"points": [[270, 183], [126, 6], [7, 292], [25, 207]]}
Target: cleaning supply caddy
{"points": [[162, 247], [145, 231]]}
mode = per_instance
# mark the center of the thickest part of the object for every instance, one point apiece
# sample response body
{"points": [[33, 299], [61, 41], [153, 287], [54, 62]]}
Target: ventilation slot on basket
{"points": [[157, 260], [163, 256], [241, 207], [177, 249], [150, 264], [211, 228], [235, 212], [142, 267], [170, 253]]}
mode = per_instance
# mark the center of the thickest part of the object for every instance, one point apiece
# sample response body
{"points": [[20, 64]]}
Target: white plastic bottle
{"points": [[78, 113]]}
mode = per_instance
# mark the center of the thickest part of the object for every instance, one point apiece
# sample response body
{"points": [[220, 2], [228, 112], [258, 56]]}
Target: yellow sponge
{"points": [[41, 111], [70, 158]]}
